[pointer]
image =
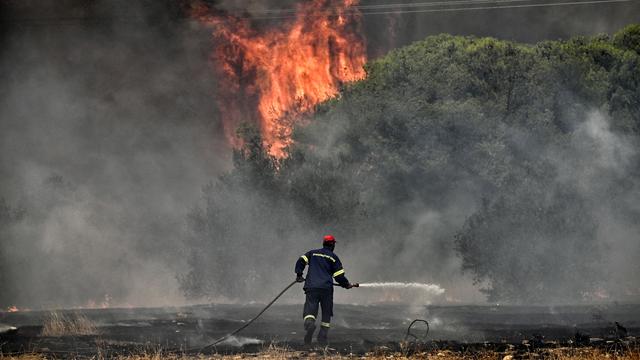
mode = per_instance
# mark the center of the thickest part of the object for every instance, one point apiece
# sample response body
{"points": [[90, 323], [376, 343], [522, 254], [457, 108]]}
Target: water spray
{"points": [[429, 288]]}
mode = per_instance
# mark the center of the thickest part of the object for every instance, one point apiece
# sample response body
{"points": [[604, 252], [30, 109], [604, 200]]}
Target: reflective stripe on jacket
{"points": [[324, 266]]}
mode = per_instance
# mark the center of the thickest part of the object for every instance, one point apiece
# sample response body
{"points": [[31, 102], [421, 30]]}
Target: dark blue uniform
{"points": [[324, 267]]}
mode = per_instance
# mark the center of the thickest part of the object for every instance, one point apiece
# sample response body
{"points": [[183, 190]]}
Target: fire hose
{"points": [[235, 332], [257, 316], [250, 321], [218, 341], [420, 337]]}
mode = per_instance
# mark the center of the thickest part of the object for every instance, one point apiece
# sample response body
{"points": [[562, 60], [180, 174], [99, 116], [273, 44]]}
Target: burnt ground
{"points": [[355, 329]]}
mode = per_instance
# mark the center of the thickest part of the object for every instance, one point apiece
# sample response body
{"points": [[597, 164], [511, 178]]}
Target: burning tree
{"points": [[267, 74]]}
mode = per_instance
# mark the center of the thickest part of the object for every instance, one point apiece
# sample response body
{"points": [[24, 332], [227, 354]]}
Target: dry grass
{"points": [[591, 354], [279, 353], [549, 354], [58, 324], [23, 357]]}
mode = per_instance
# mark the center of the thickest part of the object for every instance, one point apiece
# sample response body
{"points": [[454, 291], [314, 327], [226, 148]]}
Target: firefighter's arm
{"points": [[339, 276], [300, 265]]}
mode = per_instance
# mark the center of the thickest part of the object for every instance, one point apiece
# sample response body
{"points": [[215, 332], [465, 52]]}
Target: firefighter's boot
{"points": [[310, 327], [323, 335]]}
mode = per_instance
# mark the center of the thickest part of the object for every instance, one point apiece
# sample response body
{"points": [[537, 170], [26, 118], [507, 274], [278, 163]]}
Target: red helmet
{"points": [[328, 239]]}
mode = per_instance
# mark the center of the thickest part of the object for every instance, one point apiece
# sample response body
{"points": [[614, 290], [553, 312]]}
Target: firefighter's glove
{"points": [[348, 286], [299, 278]]}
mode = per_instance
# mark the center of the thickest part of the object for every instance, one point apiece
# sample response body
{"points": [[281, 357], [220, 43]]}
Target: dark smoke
{"points": [[525, 24], [107, 134]]}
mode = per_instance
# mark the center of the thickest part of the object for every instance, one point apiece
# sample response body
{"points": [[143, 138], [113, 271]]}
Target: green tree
{"points": [[494, 136]]}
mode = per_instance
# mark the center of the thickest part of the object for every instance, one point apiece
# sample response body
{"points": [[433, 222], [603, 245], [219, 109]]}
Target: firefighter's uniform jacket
{"points": [[324, 267]]}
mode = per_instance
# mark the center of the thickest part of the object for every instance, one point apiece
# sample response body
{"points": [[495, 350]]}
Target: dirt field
{"points": [[275, 353], [374, 331]]}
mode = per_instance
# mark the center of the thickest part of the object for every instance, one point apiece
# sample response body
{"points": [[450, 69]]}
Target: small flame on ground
{"points": [[272, 75], [101, 304], [12, 309]]}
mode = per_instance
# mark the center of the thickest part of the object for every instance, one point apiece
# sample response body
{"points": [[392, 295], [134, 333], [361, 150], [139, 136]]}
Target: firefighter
{"points": [[324, 267]]}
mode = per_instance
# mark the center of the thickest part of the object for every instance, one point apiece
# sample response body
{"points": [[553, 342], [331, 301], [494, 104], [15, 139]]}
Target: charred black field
{"points": [[356, 329]]}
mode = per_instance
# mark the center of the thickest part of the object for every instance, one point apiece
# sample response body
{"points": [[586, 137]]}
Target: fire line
{"points": [[270, 76]]}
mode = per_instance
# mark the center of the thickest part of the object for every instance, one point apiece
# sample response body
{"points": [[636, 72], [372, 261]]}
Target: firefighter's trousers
{"points": [[323, 298]]}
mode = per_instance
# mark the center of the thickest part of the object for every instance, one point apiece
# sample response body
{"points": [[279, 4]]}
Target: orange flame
{"points": [[12, 309], [102, 304], [272, 75]]}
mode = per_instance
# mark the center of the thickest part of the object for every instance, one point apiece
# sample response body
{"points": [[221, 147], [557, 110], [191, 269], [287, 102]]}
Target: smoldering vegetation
{"points": [[511, 164]]}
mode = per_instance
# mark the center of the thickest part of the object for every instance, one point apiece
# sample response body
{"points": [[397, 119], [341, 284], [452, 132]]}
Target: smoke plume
{"points": [[110, 131]]}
